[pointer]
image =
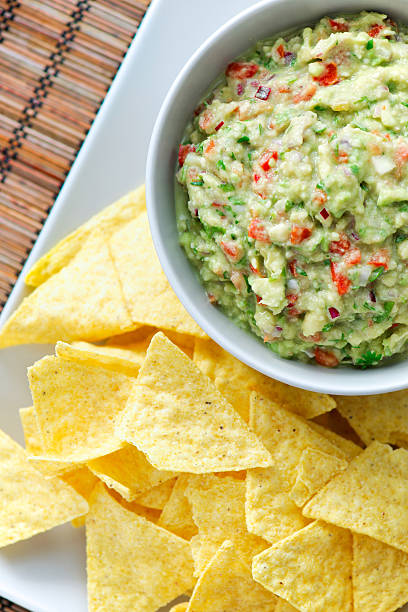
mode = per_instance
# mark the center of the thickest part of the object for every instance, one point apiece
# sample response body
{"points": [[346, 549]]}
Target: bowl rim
{"points": [[338, 381]]}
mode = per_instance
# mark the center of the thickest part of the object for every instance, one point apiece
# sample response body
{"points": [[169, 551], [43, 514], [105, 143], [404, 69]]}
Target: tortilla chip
{"points": [[180, 420], [121, 360], [270, 510], [334, 421], [151, 514], [181, 607], [128, 472], [76, 407], [35, 449], [30, 503], [348, 448], [227, 584], [284, 606], [218, 506], [236, 380], [132, 564], [177, 515], [378, 417], [369, 497], [107, 221], [311, 569], [139, 340], [83, 301], [314, 469], [82, 480], [380, 576], [157, 496], [148, 295]]}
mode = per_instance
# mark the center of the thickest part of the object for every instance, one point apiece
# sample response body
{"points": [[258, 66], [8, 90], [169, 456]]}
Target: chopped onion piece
{"points": [[334, 313], [372, 296], [365, 272], [382, 164], [325, 214]]}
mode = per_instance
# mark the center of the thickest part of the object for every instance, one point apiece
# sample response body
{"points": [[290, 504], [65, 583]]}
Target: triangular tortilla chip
{"points": [[128, 472], [369, 496], [311, 569], [180, 420], [380, 576], [177, 515], [121, 360], [34, 446], [218, 506], [227, 584], [82, 480], [378, 417], [236, 380], [158, 496], [107, 221], [150, 299], [139, 340], [76, 407], [132, 564], [270, 510], [30, 503], [348, 448], [314, 469], [83, 301]]}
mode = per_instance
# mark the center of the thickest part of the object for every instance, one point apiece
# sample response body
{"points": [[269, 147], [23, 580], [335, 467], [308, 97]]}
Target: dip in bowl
{"points": [[291, 203]]}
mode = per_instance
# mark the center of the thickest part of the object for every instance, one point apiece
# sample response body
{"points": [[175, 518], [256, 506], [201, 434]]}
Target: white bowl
{"points": [[237, 35]]}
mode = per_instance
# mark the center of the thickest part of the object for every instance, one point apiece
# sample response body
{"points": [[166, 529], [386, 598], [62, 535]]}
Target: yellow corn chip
{"points": [[150, 299], [128, 472], [30, 503], [82, 480], [270, 509], [83, 301], [121, 360], [139, 340], [311, 569], [334, 421], [107, 221], [378, 417], [180, 420], [236, 380], [151, 514], [35, 449], [157, 496], [283, 606], [177, 515], [227, 584], [181, 607], [132, 564], [369, 497], [76, 407], [348, 448], [380, 576], [218, 506], [314, 469]]}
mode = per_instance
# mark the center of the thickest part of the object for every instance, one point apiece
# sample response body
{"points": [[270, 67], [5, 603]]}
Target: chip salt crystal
{"points": [[147, 293], [178, 418], [227, 584], [378, 568], [132, 564], [369, 496], [30, 503], [311, 569], [107, 221], [218, 506]]}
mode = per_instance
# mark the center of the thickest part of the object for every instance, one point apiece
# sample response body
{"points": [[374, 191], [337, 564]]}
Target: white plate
{"points": [[47, 573]]}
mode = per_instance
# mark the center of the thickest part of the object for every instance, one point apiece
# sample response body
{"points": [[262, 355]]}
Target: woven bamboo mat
{"points": [[57, 60]]}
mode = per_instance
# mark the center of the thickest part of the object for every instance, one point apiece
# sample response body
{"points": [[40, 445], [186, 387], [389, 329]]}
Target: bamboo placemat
{"points": [[57, 60]]}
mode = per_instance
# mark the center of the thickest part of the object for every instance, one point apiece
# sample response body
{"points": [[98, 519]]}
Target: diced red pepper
{"points": [[340, 246], [298, 234], [184, 150], [306, 94], [293, 268], [266, 158], [338, 26], [241, 70], [375, 30], [328, 76], [380, 258], [341, 281], [231, 249], [281, 51], [257, 231], [326, 358], [352, 257]]}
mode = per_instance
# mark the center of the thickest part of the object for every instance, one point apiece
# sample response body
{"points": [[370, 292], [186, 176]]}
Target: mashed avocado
{"points": [[295, 171]]}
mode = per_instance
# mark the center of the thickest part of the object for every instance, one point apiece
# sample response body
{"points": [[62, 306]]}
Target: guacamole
{"points": [[295, 179]]}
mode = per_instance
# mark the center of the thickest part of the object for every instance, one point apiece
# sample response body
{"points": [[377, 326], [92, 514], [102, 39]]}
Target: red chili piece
{"points": [[298, 234], [219, 126], [328, 76]]}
